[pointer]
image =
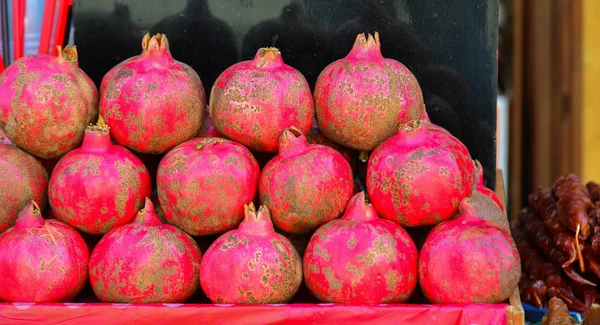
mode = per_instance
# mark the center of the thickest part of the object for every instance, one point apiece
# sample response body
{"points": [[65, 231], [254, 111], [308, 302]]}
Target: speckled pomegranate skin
{"points": [[419, 176], [361, 259], [23, 179], [484, 190], [204, 183], [252, 102], [468, 260], [361, 100], [251, 264], [152, 101], [41, 260], [145, 261], [315, 136], [98, 186], [306, 185], [46, 103]]}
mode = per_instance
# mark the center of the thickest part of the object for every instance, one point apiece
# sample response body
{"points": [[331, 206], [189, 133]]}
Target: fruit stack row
{"points": [[264, 141]]}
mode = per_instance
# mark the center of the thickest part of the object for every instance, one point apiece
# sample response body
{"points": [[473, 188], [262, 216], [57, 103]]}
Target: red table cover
{"points": [[181, 314]]}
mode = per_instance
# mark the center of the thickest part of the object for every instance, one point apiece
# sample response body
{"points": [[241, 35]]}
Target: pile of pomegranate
{"points": [[94, 161]]}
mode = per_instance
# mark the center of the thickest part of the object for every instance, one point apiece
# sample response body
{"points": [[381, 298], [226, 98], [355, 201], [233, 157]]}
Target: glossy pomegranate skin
{"points": [[361, 259], [251, 264], [152, 102], [362, 99], [41, 260], [145, 261], [305, 185], [98, 186], [419, 176], [23, 179], [252, 102], [468, 260], [46, 103], [204, 183]]}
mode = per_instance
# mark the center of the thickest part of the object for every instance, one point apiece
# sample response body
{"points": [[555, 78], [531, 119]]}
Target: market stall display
{"points": [[418, 175]]}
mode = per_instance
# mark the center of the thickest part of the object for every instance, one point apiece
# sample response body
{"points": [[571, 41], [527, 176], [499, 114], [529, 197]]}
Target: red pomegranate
{"points": [[361, 100], [208, 129], [99, 186], [419, 176], [361, 259], [152, 101], [204, 183], [4, 140], [306, 185], [23, 179], [41, 260], [145, 261], [252, 102], [468, 260], [481, 187], [315, 136], [46, 103], [252, 264]]}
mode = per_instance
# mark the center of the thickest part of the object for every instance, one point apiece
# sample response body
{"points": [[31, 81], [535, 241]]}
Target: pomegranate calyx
{"points": [[30, 217], [411, 126], [147, 214], [366, 45], [257, 223], [155, 44], [68, 54], [359, 209], [209, 142], [100, 126], [268, 57], [292, 141]]}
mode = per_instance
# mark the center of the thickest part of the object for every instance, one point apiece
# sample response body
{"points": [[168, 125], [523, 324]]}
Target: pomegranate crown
{"points": [[147, 214], [30, 217], [155, 44], [291, 139], [256, 222], [68, 54], [359, 209], [267, 57], [100, 126], [209, 142], [366, 45]]}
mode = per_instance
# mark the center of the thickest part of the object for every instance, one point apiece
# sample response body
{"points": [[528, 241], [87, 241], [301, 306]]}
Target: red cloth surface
{"points": [[182, 314]]}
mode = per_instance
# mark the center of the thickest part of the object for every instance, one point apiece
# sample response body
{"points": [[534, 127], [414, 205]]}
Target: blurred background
{"points": [[515, 80]]}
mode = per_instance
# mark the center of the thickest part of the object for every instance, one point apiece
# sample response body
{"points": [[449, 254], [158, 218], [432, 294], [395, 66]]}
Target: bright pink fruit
{"points": [[468, 260], [208, 129], [361, 100], [361, 259], [46, 103], [306, 185], [99, 186], [252, 264], [41, 260], [22, 179], [419, 176], [204, 183], [252, 102], [152, 101], [481, 187], [146, 261], [315, 136]]}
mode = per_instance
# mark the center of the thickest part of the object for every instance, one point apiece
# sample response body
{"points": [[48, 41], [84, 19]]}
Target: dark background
{"points": [[451, 46]]}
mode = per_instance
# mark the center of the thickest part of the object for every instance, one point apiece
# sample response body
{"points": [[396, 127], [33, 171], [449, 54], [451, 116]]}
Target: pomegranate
{"points": [[315, 136], [362, 99], [252, 264], [152, 101], [46, 103], [468, 260], [208, 129], [306, 185], [99, 186], [23, 179], [419, 176], [481, 187], [4, 140], [146, 261], [361, 259], [204, 183], [41, 260], [252, 102]]}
